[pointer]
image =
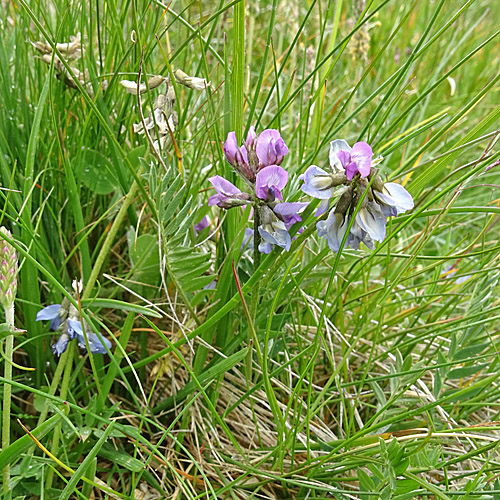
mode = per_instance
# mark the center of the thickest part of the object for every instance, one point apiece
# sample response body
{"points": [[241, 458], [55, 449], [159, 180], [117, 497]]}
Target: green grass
{"points": [[364, 374]]}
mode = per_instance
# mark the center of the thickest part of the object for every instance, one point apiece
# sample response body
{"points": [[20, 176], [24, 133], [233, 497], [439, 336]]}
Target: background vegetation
{"points": [[378, 370]]}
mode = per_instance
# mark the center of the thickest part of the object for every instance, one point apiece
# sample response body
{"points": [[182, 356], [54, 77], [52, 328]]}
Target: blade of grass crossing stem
{"points": [[238, 76], [23, 444], [233, 120], [29, 275], [85, 465], [258, 86]]}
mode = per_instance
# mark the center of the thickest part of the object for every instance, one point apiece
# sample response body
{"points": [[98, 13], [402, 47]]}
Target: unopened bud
{"points": [[344, 202], [8, 270], [378, 183]]}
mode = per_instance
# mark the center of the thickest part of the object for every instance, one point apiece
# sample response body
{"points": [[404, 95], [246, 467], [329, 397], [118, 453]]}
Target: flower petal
{"points": [[95, 344], [279, 237], [61, 344], [290, 208], [49, 312], [373, 221], [55, 323], [336, 146], [271, 180], [397, 196], [270, 148], [223, 186], [231, 147], [322, 207], [74, 328], [247, 242], [289, 212], [251, 136], [362, 155], [203, 224], [351, 170], [317, 183]]}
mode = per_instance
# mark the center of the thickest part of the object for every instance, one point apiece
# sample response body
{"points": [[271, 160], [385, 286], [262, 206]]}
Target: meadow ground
{"points": [[188, 365]]}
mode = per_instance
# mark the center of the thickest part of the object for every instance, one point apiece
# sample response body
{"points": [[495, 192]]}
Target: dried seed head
{"points": [[131, 86], [192, 82]]}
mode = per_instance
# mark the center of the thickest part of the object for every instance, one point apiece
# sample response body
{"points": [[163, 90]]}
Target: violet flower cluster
{"points": [[65, 319], [257, 161], [351, 171]]}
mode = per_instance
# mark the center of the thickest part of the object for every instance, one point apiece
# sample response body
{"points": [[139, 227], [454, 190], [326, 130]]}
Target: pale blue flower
{"points": [[70, 329], [274, 234], [50, 313], [394, 199], [95, 344]]}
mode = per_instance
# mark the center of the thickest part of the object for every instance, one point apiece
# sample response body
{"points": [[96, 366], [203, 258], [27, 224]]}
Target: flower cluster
{"points": [[8, 270], [257, 161], [347, 181], [66, 319]]}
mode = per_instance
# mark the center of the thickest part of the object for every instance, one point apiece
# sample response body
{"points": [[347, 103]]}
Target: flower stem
{"points": [[7, 392], [68, 369], [256, 237]]}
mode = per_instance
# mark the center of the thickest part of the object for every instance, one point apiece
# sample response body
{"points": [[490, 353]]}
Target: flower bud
{"points": [[8, 270], [344, 202]]}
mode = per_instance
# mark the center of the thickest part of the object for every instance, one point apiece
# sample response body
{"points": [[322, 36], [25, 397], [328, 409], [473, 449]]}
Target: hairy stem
{"points": [[7, 392], [256, 237]]}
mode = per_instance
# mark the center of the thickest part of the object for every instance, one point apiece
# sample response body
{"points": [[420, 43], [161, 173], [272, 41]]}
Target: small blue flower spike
{"points": [[95, 344], [74, 329]]}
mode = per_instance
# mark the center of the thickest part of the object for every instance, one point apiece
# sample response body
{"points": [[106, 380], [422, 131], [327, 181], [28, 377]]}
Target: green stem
{"points": [[106, 247], [256, 237], [7, 392], [54, 384], [68, 368]]}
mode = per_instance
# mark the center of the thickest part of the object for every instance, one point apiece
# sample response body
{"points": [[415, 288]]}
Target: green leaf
{"points": [[466, 371], [121, 458], [96, 172], [120, 305], [85, 465], [20, 446], [144, 255]]}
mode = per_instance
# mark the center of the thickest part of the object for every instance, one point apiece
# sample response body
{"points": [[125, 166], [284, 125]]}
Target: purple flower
{"points": [[238, 157], [228, 195], [270, 148], [251, 136], [203, 224], [357, 159], [289, 212], [232, 151], [269, 183], [394, 199]]}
